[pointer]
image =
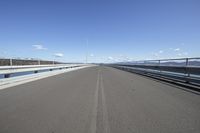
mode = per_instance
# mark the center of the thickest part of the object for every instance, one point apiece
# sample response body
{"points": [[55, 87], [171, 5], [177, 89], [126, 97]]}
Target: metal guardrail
{"points": [[26, 61], [7, 71], [168, 62], [186, 70]]}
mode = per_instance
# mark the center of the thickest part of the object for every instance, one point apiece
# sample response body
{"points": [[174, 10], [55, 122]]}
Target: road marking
{"points": [[94, 112], [105, 112]]}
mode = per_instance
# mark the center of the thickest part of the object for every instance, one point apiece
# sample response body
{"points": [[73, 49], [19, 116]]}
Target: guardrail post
{"points": [[36, 71], [187, 73], [7, 76], [11, 62], [186, 63], [159, 66], [186, 67]]}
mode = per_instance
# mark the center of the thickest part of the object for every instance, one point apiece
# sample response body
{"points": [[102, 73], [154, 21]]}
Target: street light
{"points": [[86, 53]]}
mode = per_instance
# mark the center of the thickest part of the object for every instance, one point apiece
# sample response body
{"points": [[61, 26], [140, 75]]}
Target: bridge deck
{"points": [[98, 100]]}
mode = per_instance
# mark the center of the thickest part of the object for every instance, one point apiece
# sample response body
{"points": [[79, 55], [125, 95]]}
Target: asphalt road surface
{"points": [[98, 100]]}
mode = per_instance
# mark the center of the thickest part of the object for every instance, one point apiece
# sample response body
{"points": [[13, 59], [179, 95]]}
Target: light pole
{"points": [[86, 53]]}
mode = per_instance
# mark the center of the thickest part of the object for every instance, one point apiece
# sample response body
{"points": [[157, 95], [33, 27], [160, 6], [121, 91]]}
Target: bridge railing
{"points": [[185, 69], [8, 71], [26, 61]]}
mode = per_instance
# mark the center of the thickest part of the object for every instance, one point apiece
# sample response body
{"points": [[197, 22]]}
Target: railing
{"points": [[16, 61], [7, 71], [168, 62], [185, 70]]}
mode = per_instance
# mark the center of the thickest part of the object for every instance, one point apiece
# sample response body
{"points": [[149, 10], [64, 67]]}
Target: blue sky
{"points": [[116, 30]]}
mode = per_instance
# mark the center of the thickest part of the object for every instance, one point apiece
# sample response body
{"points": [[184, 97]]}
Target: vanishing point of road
{"points": [[98, 100]]}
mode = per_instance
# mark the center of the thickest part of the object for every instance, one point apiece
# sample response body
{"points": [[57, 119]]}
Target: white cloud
{"points": [[179, 54], [185, 53], [123, 58], [155, 54], [177, 49], [91, 55], [117, 60], [127, 59], [121, 55], [39, 47], [58, 54], [110, 58]]}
